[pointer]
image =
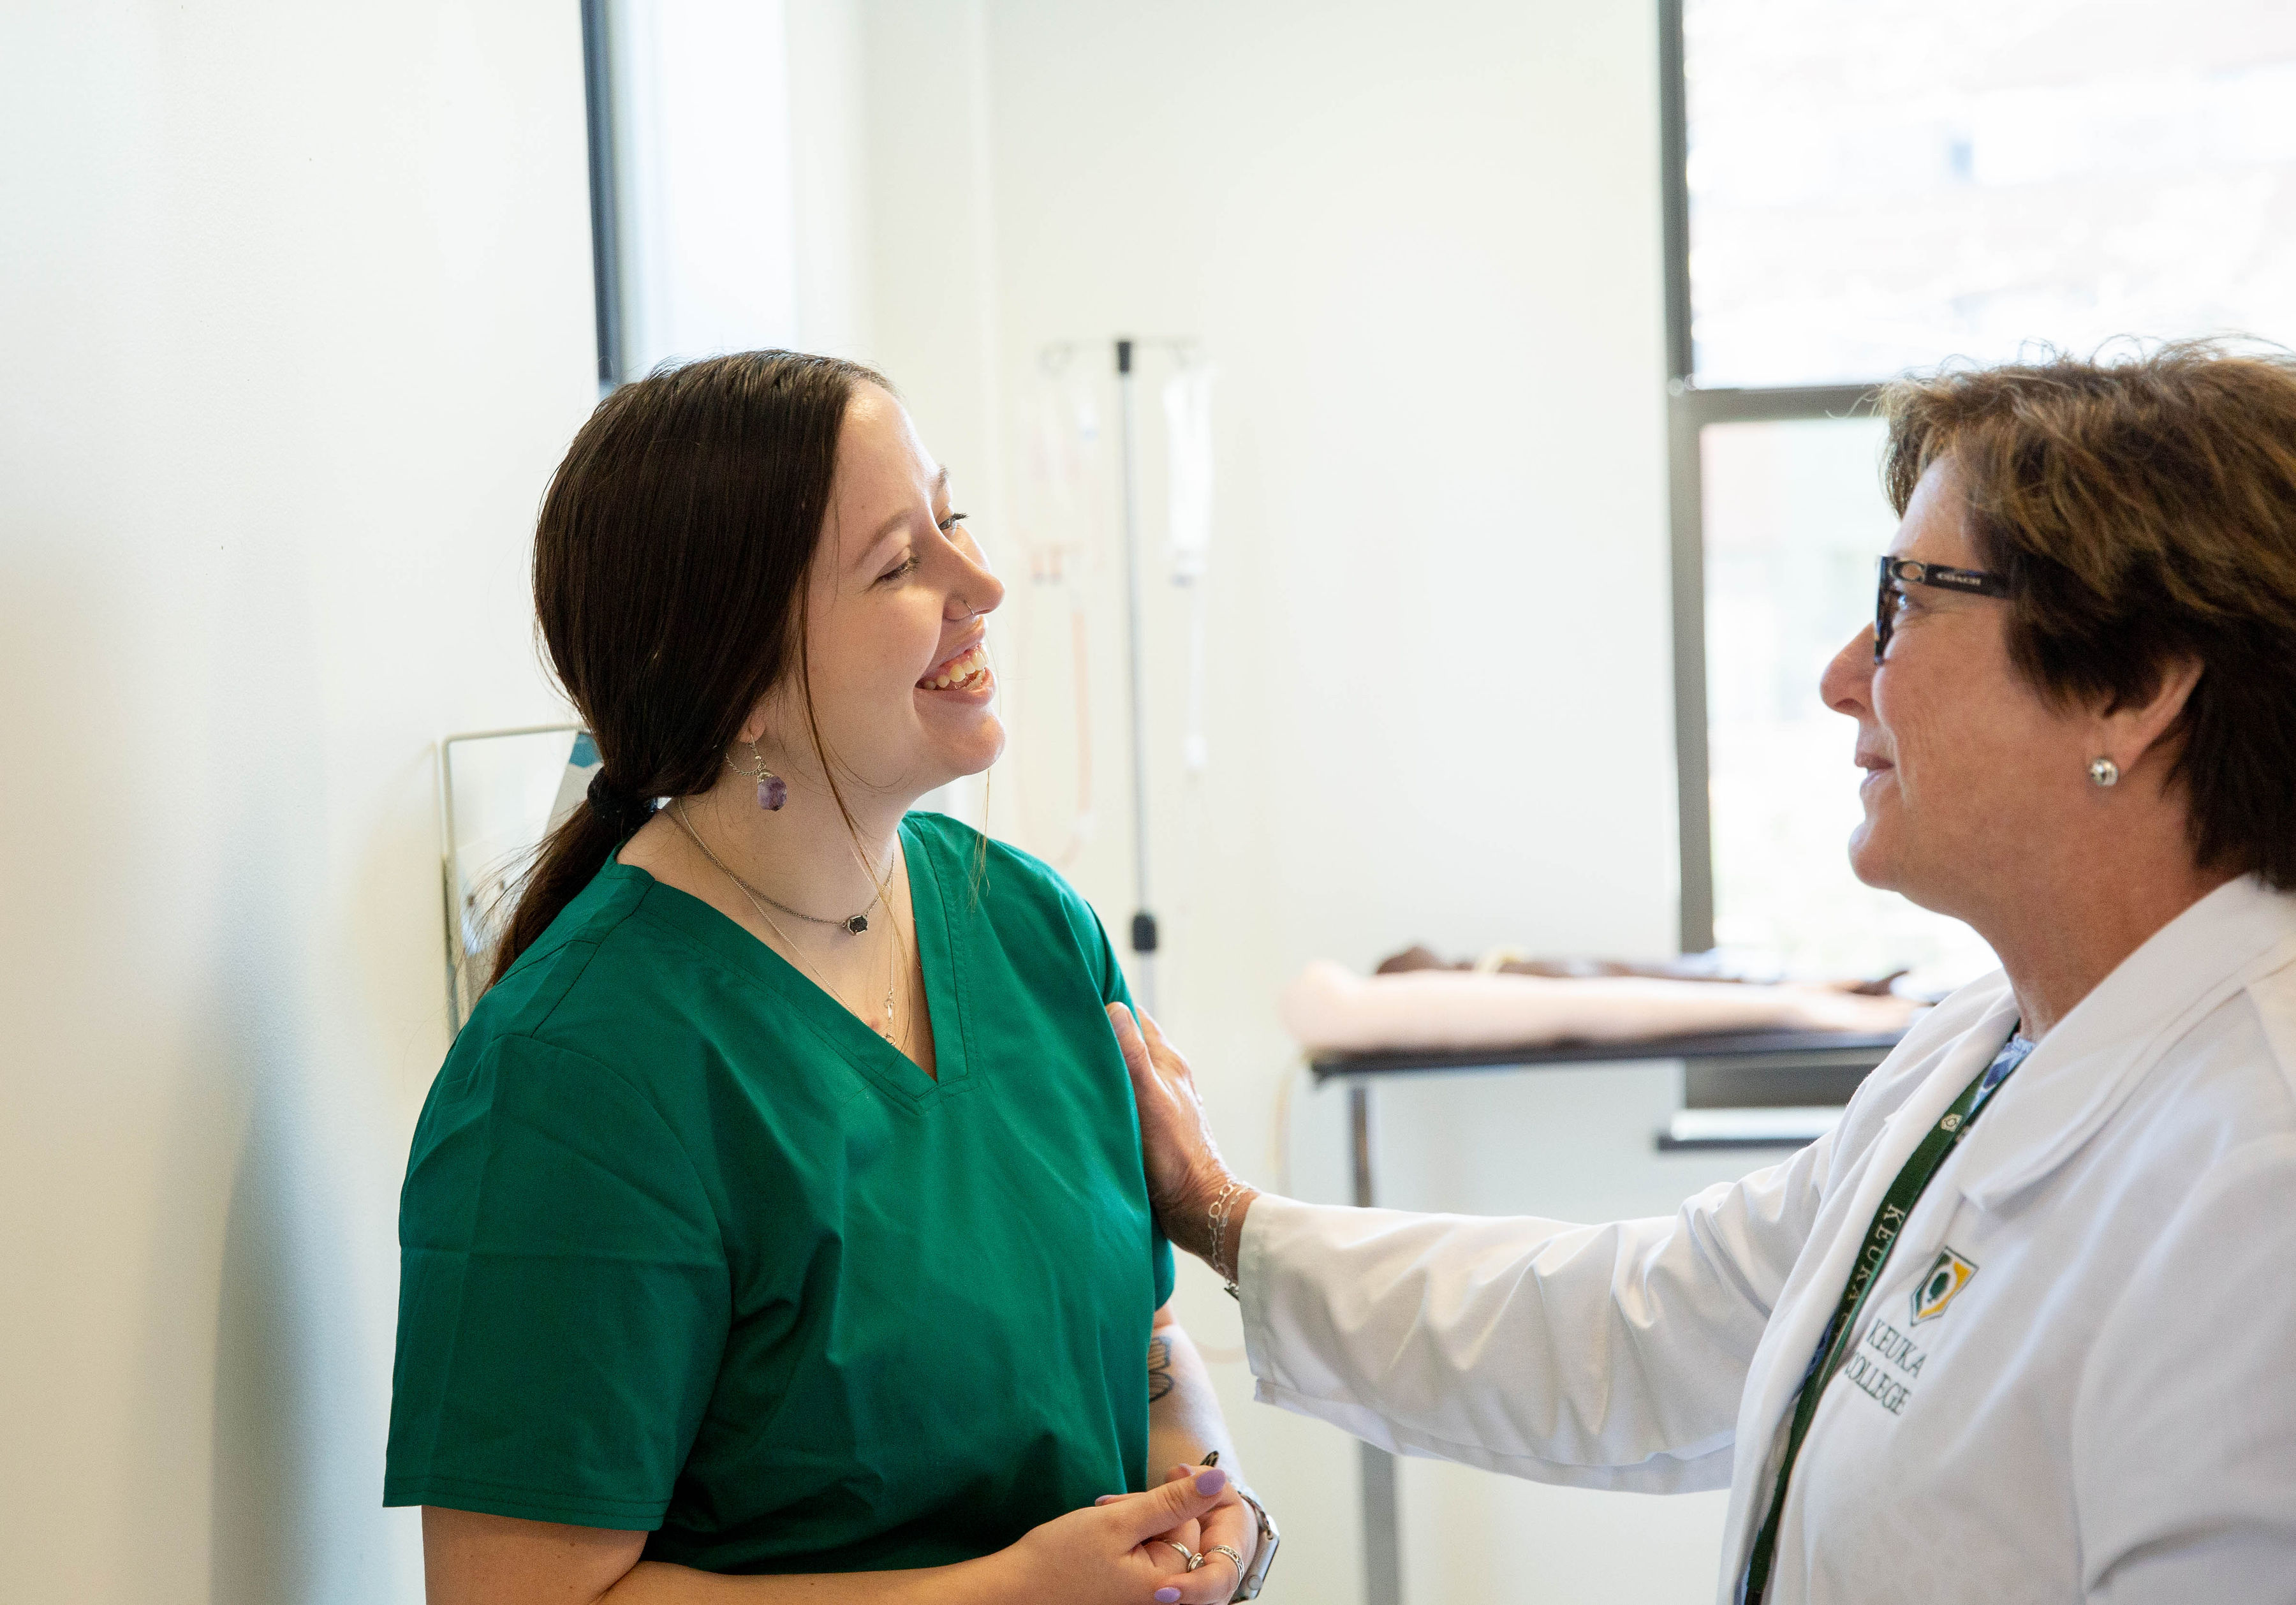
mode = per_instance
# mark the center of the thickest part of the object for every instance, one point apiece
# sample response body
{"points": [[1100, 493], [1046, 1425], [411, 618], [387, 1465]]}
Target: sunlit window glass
{"points": [[1795, 520], [1878, 185]]}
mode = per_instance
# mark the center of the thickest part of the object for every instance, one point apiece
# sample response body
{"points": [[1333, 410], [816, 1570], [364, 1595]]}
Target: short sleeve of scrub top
{"points": [[686, 1248]]}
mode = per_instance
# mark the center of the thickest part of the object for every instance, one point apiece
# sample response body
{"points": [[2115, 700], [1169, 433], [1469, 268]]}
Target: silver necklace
{"points": [[678, 811], [852, 924]]}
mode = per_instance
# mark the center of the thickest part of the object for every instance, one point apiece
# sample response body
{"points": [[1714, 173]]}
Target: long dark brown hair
{"points": [[670, 562]]}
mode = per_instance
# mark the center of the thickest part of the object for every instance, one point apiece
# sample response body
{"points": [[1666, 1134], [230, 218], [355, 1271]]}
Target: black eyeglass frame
{"points": [[1936, 576]]}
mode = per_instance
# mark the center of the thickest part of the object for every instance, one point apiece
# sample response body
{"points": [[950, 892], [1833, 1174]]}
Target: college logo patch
{"points": [[1949, 1275]]}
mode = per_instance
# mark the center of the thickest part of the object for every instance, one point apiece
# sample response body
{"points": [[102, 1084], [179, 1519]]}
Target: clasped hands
{"points": [[1211, 1576], [1115, 1552]]}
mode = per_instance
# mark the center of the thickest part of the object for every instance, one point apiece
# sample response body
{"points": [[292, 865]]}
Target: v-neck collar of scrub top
{"points": [[2079, 1075], [940, 955]]}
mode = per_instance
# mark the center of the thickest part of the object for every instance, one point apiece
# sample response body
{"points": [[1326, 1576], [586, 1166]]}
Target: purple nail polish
{"points": [[1212, 1481], [1167, 1595]]}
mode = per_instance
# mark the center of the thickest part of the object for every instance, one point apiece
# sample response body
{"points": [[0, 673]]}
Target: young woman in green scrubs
{"points": [[776, 1228]]}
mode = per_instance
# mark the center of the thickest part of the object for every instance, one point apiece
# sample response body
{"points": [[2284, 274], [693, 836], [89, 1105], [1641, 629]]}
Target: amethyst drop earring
{"points": [[772, 790]]}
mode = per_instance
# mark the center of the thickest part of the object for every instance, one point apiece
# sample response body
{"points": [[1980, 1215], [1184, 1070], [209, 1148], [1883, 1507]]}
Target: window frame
{"points": [[605, 210], [1689, 409]]}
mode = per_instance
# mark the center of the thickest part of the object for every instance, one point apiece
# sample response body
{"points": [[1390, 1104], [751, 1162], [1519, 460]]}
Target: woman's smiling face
{"points": [[896, 623]]}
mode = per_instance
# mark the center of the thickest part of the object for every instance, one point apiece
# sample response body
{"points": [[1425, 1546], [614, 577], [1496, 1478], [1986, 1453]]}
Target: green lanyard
{"points": [[1834, 1348]]}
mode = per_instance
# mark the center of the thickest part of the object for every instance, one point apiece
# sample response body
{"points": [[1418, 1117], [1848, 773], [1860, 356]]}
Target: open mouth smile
{"points": [[968, 670]]}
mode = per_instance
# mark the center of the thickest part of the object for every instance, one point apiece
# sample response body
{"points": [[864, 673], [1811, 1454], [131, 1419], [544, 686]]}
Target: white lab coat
{"points": [[2104, 1409]]}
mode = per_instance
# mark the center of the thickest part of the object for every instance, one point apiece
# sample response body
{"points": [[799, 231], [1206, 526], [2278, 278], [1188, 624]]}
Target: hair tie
{"points": [[619, 811]]}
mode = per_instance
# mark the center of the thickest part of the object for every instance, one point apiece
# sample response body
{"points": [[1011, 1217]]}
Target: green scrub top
{"points": [[687, 1249]]}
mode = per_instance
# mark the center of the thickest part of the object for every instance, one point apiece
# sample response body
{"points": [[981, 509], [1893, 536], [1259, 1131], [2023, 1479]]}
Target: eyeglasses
{"points": [[1896, 571]]}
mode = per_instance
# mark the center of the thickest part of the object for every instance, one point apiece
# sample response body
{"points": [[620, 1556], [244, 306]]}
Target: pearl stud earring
{"points": [[2104, 773]]}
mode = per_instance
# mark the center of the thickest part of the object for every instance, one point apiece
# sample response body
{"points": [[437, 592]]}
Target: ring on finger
{"points": [[1193, 1558], [1220, 1549]]}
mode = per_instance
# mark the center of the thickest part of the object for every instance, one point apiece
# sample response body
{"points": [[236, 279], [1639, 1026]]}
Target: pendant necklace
{"points": [[852, 924], [856, 925]]}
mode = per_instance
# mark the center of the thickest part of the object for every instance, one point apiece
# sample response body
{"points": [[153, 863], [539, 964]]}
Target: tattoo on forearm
{"points": [[1159, 1369]]}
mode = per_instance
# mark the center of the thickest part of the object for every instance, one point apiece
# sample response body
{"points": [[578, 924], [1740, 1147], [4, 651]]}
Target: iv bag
{"points": [[1059, 514], [1188, 447]]}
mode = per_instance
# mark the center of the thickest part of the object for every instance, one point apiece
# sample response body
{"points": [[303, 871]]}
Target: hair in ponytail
{"points": [[670, 562]]}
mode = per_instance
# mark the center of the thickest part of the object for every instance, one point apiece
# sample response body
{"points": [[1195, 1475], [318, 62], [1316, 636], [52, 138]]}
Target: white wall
{"points": [[829, 155], [295, 306], [1422, 245]]}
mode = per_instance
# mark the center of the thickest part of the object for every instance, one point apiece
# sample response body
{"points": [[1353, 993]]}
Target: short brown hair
{"points": [[2143, 511]]}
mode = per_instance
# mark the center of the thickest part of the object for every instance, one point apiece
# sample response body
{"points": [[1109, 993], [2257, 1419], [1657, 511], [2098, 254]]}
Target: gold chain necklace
{"points": [[678, 811]]}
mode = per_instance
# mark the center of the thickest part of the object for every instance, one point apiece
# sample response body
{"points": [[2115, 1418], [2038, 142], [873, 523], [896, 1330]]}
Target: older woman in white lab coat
{"points": [[2022, 1327]]}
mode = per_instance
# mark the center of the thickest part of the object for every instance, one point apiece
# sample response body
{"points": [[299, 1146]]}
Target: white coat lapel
{"points": [[2083, 1071], [2079, 1074], [1807, 1301]]}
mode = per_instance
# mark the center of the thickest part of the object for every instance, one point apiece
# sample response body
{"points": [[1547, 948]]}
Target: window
{"points": [[1858, 187], [691, 199], [1876, 184], [1792, 518]]}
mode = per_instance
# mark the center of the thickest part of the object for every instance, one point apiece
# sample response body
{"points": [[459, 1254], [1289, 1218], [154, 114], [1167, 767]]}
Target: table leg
{"points": [[1382, 1526]]}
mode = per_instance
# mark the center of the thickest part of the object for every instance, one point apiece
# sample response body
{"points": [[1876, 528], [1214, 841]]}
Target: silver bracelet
{"points": [[1220, 1207], [1215, 1217]]}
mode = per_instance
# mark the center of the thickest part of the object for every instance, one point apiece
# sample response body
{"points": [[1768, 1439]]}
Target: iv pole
{"points": [[1143, 922]]}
